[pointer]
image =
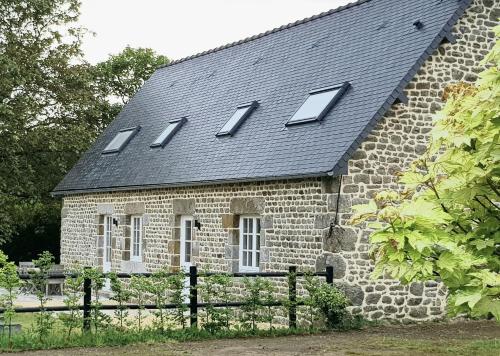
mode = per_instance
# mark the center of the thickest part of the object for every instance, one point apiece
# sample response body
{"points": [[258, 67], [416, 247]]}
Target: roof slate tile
{"points": [[278, 69]]}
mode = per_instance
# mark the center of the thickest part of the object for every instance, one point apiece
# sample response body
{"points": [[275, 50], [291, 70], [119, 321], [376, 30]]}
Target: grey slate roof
{"points": [[372, 44]]}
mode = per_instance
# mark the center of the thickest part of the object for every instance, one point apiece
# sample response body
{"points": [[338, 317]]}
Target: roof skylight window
{"points": [[121, 139], [169, 132], [317, 104], [238, 117]]}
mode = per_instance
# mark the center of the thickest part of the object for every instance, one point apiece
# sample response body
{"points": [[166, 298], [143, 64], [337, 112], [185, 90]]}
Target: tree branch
{"points": [[492, 186], [486, 208]]}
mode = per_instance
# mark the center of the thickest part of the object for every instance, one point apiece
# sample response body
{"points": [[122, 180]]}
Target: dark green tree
{"points": [[53, 104], [123, 74]]}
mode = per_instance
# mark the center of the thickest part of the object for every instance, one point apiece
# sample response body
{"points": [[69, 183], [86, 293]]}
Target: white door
{"points": [[106, 261], [186, 249]]}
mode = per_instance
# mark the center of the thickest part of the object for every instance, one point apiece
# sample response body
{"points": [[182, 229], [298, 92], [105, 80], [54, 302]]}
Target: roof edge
{"points": [[60, 193], [266, 33], [444, 34]]}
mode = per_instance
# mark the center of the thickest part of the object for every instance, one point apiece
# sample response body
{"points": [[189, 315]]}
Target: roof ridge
{"points": [[266, 33]]}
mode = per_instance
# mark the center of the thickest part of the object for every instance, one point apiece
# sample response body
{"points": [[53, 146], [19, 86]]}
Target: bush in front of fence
{"points": [[162, 306]]}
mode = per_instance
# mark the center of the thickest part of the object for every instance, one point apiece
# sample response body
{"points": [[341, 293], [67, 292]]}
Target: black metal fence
{"points": [[193, 304]]}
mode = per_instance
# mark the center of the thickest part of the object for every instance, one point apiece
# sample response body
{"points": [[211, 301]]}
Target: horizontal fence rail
{"points": [[193, 304]]}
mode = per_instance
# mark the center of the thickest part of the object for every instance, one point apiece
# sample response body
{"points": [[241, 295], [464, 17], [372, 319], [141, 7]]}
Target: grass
{"points": [[112, 336], [26, 320], [351, 343]]}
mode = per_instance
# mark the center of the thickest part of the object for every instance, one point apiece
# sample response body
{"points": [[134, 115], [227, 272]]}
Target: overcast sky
{"points": [[178, 28]]}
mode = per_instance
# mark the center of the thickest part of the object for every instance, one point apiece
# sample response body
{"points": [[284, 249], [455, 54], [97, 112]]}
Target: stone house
{"points": [[248, 157]]}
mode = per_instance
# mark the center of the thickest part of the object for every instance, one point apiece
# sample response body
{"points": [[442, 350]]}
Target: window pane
{"points": [[188, 252], [245, 226], [249, 259], [119, 140], [244, 259], [166, 133], [258, 225], [188, 230], [257, 259], [245, 237], [234, 120], [314, 105]]}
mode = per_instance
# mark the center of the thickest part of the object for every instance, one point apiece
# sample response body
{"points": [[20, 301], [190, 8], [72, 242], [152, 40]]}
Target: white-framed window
{"points": [[249, 243], [186, 240], [108, 225], [136, 254]]}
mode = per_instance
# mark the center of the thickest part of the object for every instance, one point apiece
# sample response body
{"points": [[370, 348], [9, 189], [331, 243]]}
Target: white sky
{"points": [[178, 28]]}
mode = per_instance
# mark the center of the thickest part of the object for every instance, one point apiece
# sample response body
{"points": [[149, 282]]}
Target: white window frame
{"points": [[186, 242], [254, 250], [133, 241], [108, 237]]}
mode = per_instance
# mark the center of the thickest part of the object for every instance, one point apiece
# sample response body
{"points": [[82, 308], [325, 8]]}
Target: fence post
{"points": [[193, 296], [329, 275], [87, 299], [292, 297]]}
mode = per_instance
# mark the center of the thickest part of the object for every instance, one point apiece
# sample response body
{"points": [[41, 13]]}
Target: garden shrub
{"points": [[328, 300], [158, 286], [138, 288], [176, 284], [121, 295], [258, 292], [99, 319], [166, 290], [73, 292], [9, 280], [39, 279], [215, 288]]}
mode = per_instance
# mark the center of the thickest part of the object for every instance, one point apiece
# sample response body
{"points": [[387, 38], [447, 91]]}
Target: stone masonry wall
{"points": [[288, 210], [395, 142], [297, 215]]}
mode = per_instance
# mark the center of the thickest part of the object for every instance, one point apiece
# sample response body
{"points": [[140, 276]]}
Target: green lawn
{"points": [[480, 338]]}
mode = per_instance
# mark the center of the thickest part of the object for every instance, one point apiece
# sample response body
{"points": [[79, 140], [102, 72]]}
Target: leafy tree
{"points": [[39, 89], [53, 104], [444, 225], [123, 74]]}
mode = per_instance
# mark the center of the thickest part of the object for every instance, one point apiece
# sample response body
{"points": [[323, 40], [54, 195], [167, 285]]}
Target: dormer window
{"points": [[121, 139], [239, 116], [169, 132], [317, 104]]}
